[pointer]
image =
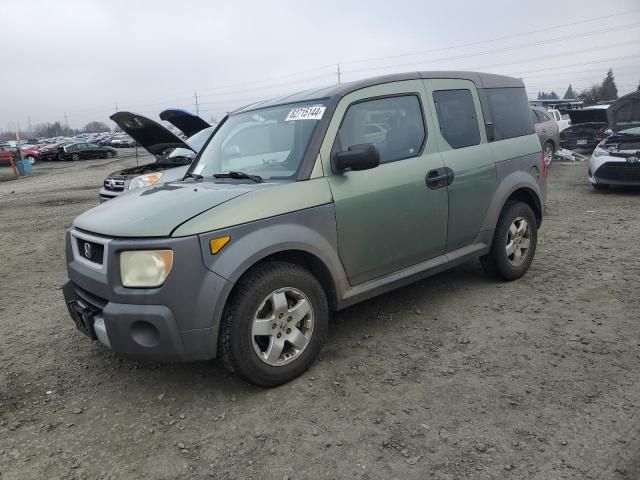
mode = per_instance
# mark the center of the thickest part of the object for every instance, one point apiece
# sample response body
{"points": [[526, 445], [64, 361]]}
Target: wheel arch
{"points": [[517, 186]]}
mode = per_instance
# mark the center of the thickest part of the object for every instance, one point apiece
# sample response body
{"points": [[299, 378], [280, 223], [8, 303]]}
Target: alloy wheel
{"points": [[282, 326], [548, 154], [518, 241]]}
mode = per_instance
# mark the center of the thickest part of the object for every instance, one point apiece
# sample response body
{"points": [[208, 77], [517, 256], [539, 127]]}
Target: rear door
{"points": [[462, 141], [387, 218]]}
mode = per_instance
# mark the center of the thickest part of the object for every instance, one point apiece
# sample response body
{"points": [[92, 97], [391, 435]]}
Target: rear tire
{"points": [[277, 294], [31, 159], [600, 186], [514, 243]]}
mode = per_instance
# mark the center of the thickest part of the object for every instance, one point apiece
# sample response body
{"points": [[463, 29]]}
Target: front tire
{"points": [[274, 324], [514, 243], [109, 154], [75, 157], [31, 159]]}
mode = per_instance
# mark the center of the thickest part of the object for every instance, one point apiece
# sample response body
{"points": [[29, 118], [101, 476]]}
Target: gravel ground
{"points": [[454, 377]]}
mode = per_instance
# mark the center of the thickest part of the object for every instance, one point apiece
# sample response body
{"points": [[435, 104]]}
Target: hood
{"points": [[157, 211], [151, 135], [625, 112], [187, 122], [587, 115]]}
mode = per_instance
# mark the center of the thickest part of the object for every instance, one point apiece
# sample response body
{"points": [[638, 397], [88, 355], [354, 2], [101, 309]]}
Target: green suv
{"points": [[306, 204]]}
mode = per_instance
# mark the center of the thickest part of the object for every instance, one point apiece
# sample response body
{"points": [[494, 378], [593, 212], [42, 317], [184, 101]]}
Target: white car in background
{"points": [[563, 121], [616, 159]]}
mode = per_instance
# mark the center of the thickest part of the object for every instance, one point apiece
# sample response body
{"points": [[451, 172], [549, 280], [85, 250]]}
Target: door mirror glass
{"points": [[357, 157]]}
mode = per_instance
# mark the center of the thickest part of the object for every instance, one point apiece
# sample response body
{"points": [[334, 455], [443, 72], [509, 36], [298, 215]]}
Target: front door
{"points": [[387, 217]]}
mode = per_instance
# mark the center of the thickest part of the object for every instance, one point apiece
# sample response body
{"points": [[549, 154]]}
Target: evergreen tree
{"points": [[569, 93], [553, 95], [608, 90]]}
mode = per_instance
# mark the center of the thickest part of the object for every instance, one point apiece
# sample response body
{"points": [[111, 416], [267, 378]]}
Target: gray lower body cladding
{"points": [[175, 322]]}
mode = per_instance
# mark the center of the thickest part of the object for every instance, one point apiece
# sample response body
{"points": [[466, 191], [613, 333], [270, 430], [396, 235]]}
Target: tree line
{"points": [[599, 92], [55, 129]]}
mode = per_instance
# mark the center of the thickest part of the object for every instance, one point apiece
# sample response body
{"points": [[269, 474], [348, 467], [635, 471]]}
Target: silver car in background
{"points": [[548, 132]]}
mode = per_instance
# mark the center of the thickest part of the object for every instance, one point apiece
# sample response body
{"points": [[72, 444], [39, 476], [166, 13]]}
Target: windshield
{"points": [[269, 142]]}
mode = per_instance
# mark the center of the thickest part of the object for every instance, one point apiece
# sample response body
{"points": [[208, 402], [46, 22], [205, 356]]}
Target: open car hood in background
{"points": [[187, 122], [625, 112], [587, 115], [151, 135]]}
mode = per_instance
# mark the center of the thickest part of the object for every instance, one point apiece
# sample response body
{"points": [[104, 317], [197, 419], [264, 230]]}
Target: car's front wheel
{"points": [[109, 154], [75, 157], [514, 242], [31, 159], [274, 324]]}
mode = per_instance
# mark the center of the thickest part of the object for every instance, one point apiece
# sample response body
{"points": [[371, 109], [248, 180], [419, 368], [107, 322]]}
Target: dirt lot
{"points": [[455, 377]]}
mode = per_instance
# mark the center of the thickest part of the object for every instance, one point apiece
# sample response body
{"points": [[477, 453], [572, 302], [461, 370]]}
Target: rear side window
{"points": [[394, 124], [508, 109], [457, 117], [543, 117]]}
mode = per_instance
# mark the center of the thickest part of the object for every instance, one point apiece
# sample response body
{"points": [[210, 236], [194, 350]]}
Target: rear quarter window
{"points": [[508, 109], [457, 117]]}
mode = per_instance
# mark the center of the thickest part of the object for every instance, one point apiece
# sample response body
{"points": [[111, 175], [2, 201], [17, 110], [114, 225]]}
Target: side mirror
{"points": [[357, 157], [491, 131]]}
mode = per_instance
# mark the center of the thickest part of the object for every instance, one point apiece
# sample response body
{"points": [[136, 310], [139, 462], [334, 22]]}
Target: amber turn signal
{"points": [[218, 243]]}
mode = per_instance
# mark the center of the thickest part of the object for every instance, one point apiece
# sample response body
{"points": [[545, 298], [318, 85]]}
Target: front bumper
{"points": [[105, 194], [175, 322], [609, 170]]}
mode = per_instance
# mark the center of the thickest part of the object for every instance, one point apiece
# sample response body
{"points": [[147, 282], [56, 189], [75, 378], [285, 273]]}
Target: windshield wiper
{"points": [[195, 176], [239, 175]]}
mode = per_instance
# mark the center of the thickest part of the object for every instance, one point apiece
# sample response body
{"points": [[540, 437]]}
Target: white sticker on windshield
{"points": [[314, 112]]}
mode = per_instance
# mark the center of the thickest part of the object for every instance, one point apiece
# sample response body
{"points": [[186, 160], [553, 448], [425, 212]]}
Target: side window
{"points": [[457, 117], [534, 117], [543, 116], [508, 109], [394, 124]]}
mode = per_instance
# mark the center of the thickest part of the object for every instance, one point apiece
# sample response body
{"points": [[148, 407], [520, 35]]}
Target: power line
{"points": [[488, 52], [599, 18]]}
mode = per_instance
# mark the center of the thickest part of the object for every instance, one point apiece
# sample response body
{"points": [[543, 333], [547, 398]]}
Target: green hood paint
{"points": [[157, 211]]}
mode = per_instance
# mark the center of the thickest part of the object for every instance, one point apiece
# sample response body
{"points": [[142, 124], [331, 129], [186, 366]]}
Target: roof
{"points": [[335, 92]]}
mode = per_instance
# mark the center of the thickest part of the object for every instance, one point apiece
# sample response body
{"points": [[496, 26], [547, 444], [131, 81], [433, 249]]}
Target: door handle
{"points": [[439, 177]]}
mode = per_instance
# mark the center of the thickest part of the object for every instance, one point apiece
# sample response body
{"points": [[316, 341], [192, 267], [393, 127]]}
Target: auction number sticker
{"points": [[314, 112]]}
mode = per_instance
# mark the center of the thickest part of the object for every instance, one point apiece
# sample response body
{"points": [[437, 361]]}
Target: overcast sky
{"points": [[83, 57]]}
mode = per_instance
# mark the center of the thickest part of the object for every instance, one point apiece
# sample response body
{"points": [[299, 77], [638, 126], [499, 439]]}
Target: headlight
{"points": [[598, 152], [145, 268], [145, 180]]}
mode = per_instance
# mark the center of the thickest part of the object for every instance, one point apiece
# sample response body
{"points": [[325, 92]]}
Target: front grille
{"points": [[620, 172], [94, 252], [114, 185]]}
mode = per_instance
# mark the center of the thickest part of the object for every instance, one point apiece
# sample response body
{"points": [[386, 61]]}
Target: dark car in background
{"points": [[51, 151], [588, 128], [83, 151]]}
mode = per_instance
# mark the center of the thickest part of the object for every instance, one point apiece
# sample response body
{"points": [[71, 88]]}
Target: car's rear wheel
{"points": [[600, 186], [514, 242], [548, 151], [274, 324], [31, 159]]}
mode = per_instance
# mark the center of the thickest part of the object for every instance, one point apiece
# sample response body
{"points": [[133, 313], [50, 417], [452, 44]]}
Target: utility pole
{"points": [[66, 122], [195, 95], [30, 128], [116, 107], [339, 74]]}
